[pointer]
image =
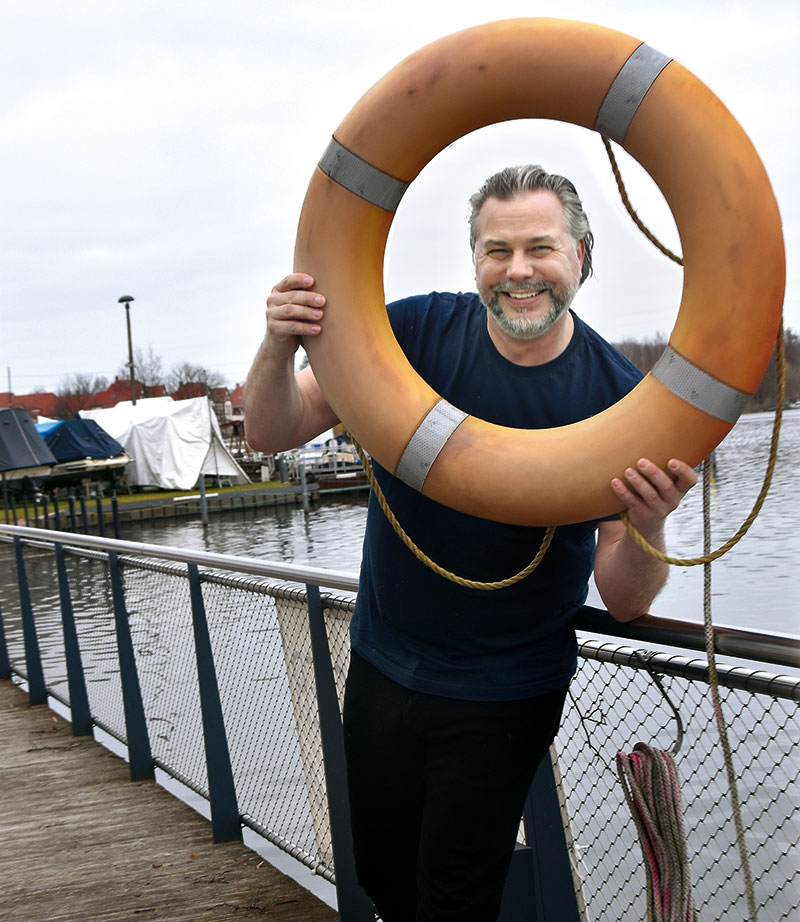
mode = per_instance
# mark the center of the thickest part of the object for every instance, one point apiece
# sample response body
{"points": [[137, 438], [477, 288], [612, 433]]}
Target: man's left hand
{"points": [[651, 493]]}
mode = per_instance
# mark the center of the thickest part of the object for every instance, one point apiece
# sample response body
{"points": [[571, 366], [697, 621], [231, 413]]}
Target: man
{"points": [[454, 695]]}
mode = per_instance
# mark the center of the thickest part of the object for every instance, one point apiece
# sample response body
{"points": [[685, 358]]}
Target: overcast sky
{"points": [[162, 150]]}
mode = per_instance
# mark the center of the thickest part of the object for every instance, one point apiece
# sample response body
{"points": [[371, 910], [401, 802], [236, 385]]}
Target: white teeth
{"points": [[522, 296]]}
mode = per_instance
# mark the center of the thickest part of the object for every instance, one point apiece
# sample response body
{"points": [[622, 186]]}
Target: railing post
{"points": [[354, 905], [552, 888], [37, 692], [140, 757], [84, 514], [56, 513], [5, 662], [76, 682], [225, 820], [73, 520]]}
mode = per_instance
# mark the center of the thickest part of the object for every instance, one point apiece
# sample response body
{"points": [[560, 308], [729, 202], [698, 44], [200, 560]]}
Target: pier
{"points": [[83, 843]]}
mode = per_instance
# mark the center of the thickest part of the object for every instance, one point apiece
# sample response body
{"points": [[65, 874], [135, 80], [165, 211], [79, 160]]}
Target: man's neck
{"points": [[535, 351]]}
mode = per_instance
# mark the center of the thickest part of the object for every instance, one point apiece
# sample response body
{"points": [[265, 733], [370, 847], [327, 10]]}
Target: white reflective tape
{"points": [[425, 444], [361, 178], [699, 388], [626, 93]]}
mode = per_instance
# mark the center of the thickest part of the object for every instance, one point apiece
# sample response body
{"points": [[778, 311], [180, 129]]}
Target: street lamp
{"points": [[126, 300]]}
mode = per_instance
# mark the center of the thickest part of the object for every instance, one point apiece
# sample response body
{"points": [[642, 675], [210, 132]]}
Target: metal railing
{"points": [[126, 634]]}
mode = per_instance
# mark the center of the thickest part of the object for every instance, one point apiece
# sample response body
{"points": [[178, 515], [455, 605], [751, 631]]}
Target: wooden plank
{"points": [[79, 842]]}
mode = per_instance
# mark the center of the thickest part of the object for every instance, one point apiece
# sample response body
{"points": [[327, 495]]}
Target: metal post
{"points": [[201, 484], [35, 511], [56, 513], [139, 755], [73, 520], [76, 682], [101, 521], [115, 513], [37, 692], [5, 662], [303, 484], [544, 885], [126, 300], [84, 514], [46, 511], [354, 905], [225, 819]]}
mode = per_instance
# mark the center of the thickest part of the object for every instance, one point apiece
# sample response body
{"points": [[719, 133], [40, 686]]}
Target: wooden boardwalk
{"points": [[79, 842]]}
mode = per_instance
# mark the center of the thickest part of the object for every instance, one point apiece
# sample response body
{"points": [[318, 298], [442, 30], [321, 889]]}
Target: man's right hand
{"points": [[294, 309]]}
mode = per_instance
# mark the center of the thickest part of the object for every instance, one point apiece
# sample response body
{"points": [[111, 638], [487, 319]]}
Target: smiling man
{"points": [[454, 694]]}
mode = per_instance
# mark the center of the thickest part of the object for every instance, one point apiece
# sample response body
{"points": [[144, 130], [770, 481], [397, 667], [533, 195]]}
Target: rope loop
{"points": [[431, 564]]}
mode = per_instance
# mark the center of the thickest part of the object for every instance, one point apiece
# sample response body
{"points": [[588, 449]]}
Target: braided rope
{"points": [[713, 681], [650, 783], [422, 556], [629, 208]]}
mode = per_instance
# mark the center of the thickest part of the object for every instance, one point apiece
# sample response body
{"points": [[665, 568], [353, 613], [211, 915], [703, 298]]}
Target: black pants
{"points": [[437, 787]]}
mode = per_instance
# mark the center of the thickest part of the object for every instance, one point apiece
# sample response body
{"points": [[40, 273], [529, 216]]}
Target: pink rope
{"points": [[650, 782]]}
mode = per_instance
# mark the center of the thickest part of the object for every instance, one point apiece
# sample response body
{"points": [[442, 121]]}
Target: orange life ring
{"points": [[712, 179]]}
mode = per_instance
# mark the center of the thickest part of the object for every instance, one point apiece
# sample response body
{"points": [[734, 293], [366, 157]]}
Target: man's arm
{"points": [[283, 410], [627, 577]]}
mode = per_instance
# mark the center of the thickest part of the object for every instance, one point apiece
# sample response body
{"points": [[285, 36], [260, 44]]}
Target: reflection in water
{"points": [[754, 585]]}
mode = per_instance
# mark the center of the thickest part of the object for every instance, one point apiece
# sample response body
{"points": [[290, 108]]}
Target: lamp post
{"points": [[126, 300]]}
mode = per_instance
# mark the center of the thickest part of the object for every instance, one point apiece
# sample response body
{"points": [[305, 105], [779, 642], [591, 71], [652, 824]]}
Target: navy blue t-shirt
{"points": [[432, 635]]}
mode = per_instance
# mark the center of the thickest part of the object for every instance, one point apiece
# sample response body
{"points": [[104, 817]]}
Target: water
{"points": [[754, 586]]}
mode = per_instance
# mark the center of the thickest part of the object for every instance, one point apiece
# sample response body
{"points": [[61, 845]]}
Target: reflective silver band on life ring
{"points": [[626, 93], [425, 444], [361, 178], [699, 388]]}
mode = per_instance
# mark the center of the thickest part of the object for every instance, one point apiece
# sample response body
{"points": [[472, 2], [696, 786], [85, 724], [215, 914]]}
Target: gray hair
{"points": [[515, 180]]}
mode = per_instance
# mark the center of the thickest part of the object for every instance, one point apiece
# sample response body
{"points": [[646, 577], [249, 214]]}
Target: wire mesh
{"points": [[262, 652]]}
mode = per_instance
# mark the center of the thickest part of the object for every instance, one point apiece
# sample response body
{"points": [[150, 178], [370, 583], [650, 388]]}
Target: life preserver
{"points": [[723, 206]]}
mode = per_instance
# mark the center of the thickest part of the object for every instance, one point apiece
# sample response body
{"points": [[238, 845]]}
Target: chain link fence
{"points": [[262, 653]]}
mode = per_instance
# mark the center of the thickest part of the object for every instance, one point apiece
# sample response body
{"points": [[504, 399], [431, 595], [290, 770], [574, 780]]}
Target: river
{"points": [[755, 585]]}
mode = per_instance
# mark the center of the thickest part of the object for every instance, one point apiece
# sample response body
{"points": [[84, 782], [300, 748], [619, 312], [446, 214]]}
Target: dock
{"points": [[80, 842]]}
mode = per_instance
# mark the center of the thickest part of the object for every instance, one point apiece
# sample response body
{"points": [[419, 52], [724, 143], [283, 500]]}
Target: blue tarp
{"points": [[76, 439]]}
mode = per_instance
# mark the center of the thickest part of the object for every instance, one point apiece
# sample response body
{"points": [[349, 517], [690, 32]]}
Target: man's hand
{"points": [[651, 493], [627, 577], [294, 309]]}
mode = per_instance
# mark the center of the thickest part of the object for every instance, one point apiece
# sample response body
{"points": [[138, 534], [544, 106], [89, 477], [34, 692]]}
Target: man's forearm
{"points": [[273, 405], [628, 578]]}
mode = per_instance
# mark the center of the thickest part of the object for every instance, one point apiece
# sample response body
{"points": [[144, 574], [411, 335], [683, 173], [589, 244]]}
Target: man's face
{"points": [[527, 266]]}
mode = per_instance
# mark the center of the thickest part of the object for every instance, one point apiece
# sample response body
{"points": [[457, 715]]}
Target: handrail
{"points": [[298, 573], [777, 649]]}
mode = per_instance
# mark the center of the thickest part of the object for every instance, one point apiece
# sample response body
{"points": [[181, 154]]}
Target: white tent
{"points": [[171, 441]]}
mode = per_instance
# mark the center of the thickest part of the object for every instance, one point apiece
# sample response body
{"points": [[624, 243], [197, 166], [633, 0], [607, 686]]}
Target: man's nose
{"points": [[520, 266]]}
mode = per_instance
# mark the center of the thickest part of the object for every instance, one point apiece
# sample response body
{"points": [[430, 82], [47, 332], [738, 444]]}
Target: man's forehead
{"points": [[538, 206]]}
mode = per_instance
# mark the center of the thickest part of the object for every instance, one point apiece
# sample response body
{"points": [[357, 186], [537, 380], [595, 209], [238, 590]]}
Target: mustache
{"points": [[529, 285]]}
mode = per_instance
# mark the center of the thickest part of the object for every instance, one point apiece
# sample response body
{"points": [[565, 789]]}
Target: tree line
{"points": [[646, 352], [182, 379]]}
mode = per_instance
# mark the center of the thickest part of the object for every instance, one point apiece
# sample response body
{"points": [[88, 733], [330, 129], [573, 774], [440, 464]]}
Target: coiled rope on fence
{"points": [[650, 782]]}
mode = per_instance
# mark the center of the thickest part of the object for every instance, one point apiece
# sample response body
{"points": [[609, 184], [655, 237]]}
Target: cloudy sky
{"points": [[162, 150]]}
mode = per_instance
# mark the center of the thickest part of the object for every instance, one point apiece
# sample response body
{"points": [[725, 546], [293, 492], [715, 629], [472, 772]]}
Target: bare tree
{"points": [[148, 370], [186, 378], [75, 392]]}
